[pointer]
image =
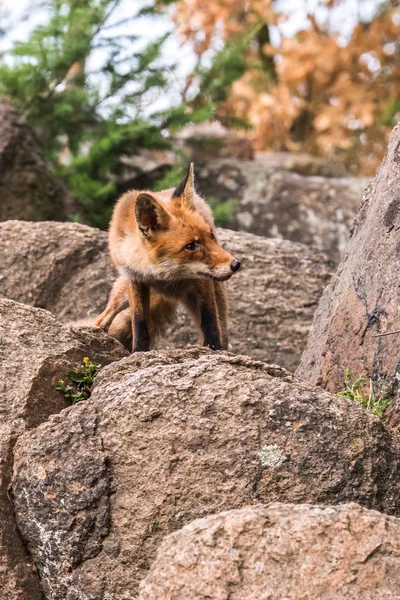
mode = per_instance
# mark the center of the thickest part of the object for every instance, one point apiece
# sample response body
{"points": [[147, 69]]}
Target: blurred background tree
{"points": [[85, 123], [311, 90]]}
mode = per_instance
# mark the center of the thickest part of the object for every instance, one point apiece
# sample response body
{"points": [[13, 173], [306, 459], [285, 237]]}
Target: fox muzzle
{"points": [[235, 265]]}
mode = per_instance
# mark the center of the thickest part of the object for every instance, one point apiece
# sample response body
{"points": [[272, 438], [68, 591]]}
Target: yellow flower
{"points": [[86, 360]]}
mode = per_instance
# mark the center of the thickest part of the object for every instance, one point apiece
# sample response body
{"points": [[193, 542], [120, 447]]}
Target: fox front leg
{"points": [[210, 327], [222, 306], [203, 305], [139, 300]]}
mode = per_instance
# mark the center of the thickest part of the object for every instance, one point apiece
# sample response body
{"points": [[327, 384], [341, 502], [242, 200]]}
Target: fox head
{"points": [[179, 242]]}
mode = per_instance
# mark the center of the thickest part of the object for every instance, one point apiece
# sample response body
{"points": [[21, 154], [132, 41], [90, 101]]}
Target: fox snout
{"points": [[225, 267], [235, 265]]}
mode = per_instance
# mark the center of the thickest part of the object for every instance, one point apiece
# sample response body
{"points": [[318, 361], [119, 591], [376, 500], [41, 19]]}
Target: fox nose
{"points": [[235, 265]]}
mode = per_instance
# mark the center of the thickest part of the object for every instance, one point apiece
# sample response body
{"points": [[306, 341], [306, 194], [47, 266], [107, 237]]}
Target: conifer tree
{"points": [[87, 118]]}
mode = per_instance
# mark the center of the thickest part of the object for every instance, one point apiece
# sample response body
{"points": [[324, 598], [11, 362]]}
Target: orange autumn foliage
{"points": [[201, 20], [329, 98]]}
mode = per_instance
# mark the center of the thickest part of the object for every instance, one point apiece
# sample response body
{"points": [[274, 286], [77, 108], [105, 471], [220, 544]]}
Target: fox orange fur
{"points": [[164, 247]]}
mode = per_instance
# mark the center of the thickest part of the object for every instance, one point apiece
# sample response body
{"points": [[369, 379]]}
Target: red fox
{"points": [[165, 249]]}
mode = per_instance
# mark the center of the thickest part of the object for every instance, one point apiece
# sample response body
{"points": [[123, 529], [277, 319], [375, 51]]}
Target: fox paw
{"points": [[214, 346]]}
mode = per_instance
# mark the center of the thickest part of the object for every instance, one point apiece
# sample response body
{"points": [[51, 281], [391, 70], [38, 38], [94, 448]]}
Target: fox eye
{"points": [[192, 246]]}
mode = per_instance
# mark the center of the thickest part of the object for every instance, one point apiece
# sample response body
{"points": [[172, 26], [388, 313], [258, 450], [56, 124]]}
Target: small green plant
{"points": [[360, 391], [81, 380]]}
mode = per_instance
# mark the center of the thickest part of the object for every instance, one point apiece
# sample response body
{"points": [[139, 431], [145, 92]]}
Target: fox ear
{"points": [[150, 215], [185, 190]]}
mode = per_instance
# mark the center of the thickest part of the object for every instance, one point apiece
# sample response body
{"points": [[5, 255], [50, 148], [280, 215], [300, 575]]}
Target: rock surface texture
{"points": [[35, 352], [170, 437], [65, 268], [28, 189], [316, 211], [363, 298], [280, 551]]}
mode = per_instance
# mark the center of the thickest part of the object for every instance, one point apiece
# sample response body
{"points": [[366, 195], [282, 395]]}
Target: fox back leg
{"points": [[162, 313], [117, 302], [121, 328]]}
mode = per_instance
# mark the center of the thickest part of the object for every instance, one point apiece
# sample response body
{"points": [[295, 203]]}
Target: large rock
{"points": [[301, 163], [65, 268], [199, 143], [62, 267], [170, 437], [363, 298], [145, 169], [28, 189], [316, 211], [35, 352], [206, 141], [281, 551]]}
